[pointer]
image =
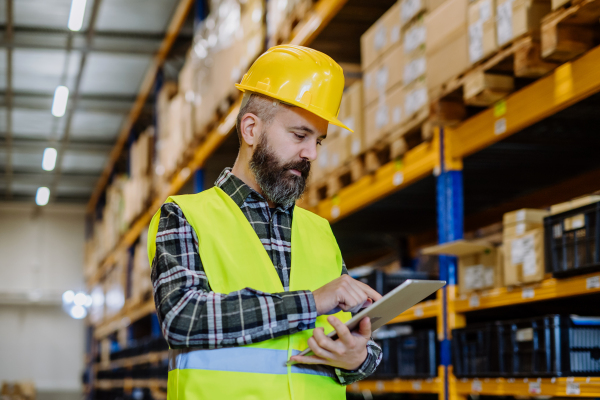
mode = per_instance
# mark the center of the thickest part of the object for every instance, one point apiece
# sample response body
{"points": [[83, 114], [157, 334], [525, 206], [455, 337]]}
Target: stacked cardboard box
{"points": [[382, 61], [280, 15], [479, 263], [115, 285], [137, 189], [141, 284], [446, 45], [225, 46], [482, 29], [523, 246], [341, 145]]}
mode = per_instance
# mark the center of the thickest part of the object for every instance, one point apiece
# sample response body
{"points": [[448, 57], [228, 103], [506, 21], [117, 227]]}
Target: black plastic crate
{"points": [[572, 241], [407, 354], [418, 355], [474, 351], [553, 345], [549, 346]]}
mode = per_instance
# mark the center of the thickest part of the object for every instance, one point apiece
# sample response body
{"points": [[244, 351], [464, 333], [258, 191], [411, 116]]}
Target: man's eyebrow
{"points": [[303, 128]]}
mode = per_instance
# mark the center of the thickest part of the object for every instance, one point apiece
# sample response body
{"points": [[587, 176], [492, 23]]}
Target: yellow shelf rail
{"points": [[416, 164], [566, 85], [569, 386], [547, 289]]}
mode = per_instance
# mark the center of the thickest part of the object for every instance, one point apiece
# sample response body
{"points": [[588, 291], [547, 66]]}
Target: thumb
{"points": [[364, 328]]}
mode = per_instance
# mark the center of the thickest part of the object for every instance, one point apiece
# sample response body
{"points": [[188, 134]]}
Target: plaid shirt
{"points": [[187, 308]]}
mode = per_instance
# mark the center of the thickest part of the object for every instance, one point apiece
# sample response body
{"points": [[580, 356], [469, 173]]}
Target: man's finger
{"points": [[325, 342], [308, 360], [318, 350], [372, 293], [342, 330], [364, 328]]}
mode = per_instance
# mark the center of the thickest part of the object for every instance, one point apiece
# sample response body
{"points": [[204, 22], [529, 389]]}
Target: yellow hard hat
{"points": [[299, 76]]}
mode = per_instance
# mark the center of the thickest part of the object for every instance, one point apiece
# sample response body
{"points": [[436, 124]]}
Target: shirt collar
{"points": [[239, 191]]}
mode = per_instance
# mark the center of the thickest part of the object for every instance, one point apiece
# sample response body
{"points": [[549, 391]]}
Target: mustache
{"points": [[303, 166]]}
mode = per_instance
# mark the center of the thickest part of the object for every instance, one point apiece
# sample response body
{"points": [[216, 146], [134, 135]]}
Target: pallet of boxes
{"points": [[339, 161], [523, 234], [479, 263]]}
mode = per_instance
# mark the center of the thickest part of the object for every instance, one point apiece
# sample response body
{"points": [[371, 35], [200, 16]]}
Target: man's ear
{"points": [[250, 126]]}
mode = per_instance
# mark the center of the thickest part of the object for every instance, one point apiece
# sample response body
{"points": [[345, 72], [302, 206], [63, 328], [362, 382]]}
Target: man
{"points": [[243, 279]]}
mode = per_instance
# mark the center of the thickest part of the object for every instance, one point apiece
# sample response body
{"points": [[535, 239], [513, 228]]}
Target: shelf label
{"points": [[573, 388], [419, 312], [335, 212], [535, 388], [528, 293], [398, 178], [476, 386], [380, 386], [500, 126], [416, 385], [474, 301], [500, 106], [592, 282]]}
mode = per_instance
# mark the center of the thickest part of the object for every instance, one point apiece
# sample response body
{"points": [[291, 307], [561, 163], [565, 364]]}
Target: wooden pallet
{"points": [[388, 148], [492, 79], [571, 31]]}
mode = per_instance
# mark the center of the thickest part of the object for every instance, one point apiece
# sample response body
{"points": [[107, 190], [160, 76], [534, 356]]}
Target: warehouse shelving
{"points": [[570, 386], [303, 34], [546, 290], [389, 178], [432, 385], [136, 360], [441, 157]]}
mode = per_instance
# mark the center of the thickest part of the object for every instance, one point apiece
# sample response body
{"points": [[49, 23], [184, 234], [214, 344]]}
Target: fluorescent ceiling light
{"points": [[59, 105], [49, 160], [42, 196], [76, 15]]}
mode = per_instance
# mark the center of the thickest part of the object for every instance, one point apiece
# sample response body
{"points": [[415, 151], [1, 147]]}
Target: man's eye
{"points": [[299, 136], [319, 143]]}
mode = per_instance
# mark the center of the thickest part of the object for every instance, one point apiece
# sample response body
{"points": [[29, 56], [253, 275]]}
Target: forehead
{"points": [[296, 116]]}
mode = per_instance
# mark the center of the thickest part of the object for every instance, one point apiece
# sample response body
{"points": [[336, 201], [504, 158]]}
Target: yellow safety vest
{"points": [[234, 258]]}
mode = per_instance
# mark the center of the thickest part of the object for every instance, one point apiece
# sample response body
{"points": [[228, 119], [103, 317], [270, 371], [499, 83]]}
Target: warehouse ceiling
{"points": [[103, 65]]}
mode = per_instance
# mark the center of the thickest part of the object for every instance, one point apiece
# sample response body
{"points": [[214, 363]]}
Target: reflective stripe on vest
{"points": [[234, 258], [271, 361]]}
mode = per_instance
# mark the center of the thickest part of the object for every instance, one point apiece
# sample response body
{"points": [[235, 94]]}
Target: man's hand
{"points": [[344, 292], [349, 351]]}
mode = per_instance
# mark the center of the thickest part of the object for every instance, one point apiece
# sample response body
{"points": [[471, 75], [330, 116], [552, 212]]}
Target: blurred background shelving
{"points": [[474, 160]]}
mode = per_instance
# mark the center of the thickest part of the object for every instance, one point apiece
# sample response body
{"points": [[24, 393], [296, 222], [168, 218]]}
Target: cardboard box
{"points": [[518, 17], [477, 263], [524, 215], [572, 204], [524, 258], [351, 114], [446, 45], [415, 66], [416, 99], [518, 229], [412, 8], [415, 36], [382, 117], [482, 29], [383, 75], [337, 152], [380, 37]]}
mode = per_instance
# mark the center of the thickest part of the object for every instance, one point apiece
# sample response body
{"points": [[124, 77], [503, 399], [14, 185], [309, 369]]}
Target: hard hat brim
{"points": [[329, 118]]}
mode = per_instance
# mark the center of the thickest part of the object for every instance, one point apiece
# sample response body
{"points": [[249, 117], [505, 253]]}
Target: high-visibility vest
{"points": [[234, 258]]}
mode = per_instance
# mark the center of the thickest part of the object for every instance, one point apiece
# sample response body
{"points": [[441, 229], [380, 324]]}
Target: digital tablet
{"points": [[391, 305]]}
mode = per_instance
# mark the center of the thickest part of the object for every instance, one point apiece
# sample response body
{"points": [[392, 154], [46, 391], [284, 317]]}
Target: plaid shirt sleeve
{"points": [[191, 315]]}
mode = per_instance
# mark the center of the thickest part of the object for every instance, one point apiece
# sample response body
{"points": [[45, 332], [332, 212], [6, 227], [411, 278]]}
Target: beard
{"points": [[273, 176]]}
